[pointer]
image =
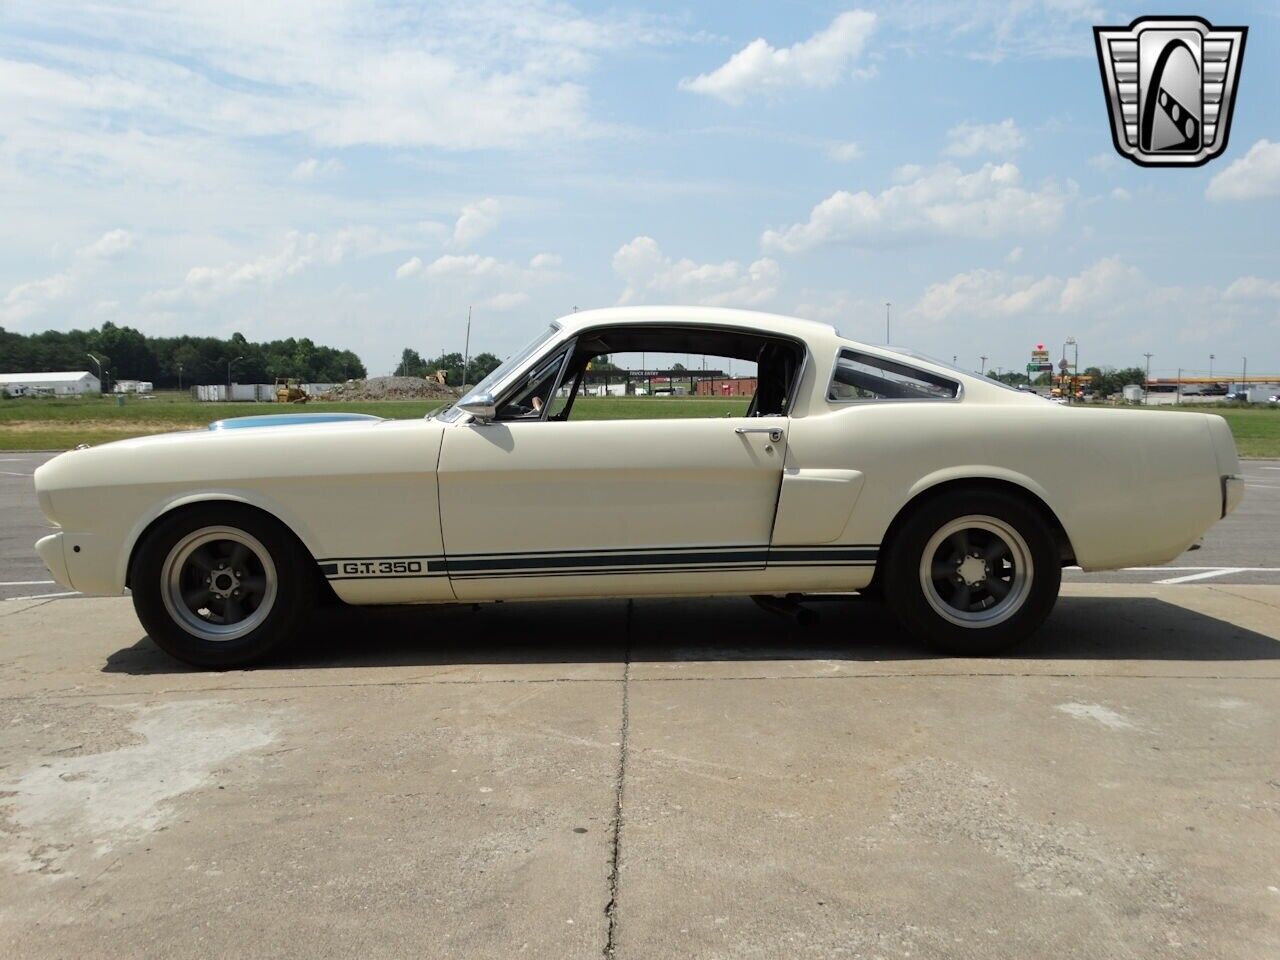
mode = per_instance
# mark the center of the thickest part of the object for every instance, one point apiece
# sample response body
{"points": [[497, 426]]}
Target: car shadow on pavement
{"points": [[720, 629]]}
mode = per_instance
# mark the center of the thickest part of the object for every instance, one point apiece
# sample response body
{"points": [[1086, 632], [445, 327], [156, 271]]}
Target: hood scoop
{"points": [[287, 420]]}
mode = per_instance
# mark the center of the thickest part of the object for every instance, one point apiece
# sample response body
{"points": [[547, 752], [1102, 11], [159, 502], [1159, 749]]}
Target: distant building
{"points": [[133, 386], [73, 383], [729, 387]]}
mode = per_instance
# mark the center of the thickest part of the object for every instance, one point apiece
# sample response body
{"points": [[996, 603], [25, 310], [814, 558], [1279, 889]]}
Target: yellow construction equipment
{"points": [[289, 390]]}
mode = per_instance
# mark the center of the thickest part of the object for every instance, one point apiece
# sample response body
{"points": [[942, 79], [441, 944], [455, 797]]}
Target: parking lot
{"points": [[652, 778]]}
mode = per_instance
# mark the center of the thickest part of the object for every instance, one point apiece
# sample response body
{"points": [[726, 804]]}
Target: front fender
{"points": [[252, 498]]}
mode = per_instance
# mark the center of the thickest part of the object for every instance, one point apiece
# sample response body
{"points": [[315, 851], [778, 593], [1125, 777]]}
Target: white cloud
{"points": [[339, 74], [296, 253], [506, 301], [410, 268], [32, 297], [651, 277], [1255, 176], [1099, 289], [485, 281], [986, 292], [971, 139], [1121, 194], [937, 202], [824, 59], [844, 152], [1254, 288], [993, 30], [110, 245], [315, 169], [476, 220], [1013, 256]]}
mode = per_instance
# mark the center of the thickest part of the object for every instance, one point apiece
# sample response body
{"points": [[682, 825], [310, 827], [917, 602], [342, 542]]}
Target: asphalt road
{"points": [[1244, 548]]}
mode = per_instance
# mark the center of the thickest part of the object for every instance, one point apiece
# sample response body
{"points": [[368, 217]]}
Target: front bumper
{"points": [[1232, 493], [51, 552]]}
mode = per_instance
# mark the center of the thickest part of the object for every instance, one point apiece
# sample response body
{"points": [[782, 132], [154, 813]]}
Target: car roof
{"points": [[708, 316]]}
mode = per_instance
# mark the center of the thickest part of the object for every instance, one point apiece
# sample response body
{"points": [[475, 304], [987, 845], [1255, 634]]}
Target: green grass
{"points": [[49, 424]]}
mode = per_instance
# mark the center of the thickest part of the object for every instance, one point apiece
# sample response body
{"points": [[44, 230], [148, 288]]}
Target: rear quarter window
{"points": [[861, 376]]}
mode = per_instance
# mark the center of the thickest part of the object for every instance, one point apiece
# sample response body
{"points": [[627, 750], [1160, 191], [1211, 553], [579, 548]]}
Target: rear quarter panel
{"points": [[1129, 487]]}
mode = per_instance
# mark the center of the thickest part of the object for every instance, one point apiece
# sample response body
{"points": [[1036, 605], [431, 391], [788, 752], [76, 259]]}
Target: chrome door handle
{"points": [[775, 433]]}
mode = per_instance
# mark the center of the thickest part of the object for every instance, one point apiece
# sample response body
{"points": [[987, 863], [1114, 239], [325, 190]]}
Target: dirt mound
{"points": [[391, 388]]}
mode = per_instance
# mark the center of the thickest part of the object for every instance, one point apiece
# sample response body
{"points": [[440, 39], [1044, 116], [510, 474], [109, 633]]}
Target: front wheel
{"points": [[221, 585], [973, 573]]}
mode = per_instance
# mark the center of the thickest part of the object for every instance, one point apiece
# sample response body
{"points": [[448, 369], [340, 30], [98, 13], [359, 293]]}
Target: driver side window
{"points": [[529, 402]]}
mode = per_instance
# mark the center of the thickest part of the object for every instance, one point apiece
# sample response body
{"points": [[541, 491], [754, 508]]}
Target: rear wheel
{"points": [[973, 573], [221, 585]]}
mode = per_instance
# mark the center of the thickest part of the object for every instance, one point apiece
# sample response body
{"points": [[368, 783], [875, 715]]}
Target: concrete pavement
{"points": [[648, 779]]}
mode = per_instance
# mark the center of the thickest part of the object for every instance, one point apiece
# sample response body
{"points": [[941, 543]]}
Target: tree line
{"points": [[480, 366], [126, 354]]}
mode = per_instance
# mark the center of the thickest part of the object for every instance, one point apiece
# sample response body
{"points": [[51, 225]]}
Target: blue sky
{"points": [[362, 172]]}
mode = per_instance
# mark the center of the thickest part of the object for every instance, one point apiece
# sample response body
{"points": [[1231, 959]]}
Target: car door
{"points": [[587, 508]]}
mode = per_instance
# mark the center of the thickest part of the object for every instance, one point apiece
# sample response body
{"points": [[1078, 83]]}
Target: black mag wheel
{"points": [[973, 572], [222, 585]]}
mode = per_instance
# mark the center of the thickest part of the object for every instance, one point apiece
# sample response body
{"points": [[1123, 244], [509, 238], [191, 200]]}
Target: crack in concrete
{"points": [[611, 907]]}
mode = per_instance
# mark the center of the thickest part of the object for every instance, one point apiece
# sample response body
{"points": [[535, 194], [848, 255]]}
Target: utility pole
{"points": [[1146, 380], [1244, 378], [99, 363], [466, 348], [887, 339], [1177, 397]]}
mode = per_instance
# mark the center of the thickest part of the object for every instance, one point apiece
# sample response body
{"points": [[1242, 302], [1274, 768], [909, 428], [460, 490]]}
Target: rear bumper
{"points": [[1232, 493], [51, 552]]}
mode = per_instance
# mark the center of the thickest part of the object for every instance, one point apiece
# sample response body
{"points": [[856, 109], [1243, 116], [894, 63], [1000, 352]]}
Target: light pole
{"points": [[179, 378], [983, 369], [1146, 380], [229, 363], [1211, 366], [99, 363], [887, 340], [1244, 377], [1075, 365]]}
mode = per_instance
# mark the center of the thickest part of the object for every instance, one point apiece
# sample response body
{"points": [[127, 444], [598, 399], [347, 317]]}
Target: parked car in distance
{"points": [[855, 468]]}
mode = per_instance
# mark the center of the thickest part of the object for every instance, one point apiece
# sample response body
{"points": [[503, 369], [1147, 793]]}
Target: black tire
{"points": [[930, 613], [292, 601]]}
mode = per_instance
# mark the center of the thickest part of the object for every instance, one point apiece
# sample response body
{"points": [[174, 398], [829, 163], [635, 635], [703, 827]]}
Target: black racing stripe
{"points": [[612, 561], [616, 571], [819, 554], [588, 552], [668, 560]]}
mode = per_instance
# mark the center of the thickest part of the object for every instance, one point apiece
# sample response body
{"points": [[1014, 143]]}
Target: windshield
{"points": [[502, 371]]}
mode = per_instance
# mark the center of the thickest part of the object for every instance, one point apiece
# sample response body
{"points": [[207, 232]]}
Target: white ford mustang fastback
{"points": [[855, 468]]}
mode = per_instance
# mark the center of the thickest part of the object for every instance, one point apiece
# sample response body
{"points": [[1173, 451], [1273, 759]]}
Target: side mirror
{"points": [[482, 406]]}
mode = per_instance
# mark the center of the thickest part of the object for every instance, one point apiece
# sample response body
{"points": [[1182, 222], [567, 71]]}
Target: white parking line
{"points": [[1204, 575], [10, 473], [45, 596], [25, 583]]}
